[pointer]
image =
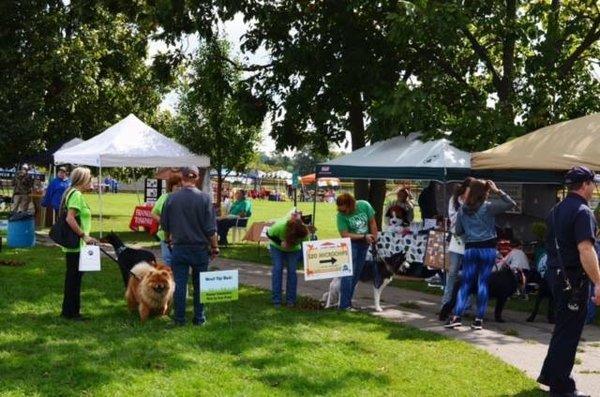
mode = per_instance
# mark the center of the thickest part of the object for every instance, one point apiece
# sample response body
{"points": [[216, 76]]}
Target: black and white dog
{"points": [[379, 271], [127, 257]]}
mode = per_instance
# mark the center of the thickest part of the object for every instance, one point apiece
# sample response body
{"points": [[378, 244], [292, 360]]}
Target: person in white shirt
{"points": [[517, 260]]}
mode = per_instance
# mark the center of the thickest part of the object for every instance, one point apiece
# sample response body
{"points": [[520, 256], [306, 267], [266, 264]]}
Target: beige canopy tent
{"points": [[554, 148]]}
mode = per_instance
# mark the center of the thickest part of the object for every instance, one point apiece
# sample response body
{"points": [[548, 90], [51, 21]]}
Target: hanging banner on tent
{"points": [[327, 259]]}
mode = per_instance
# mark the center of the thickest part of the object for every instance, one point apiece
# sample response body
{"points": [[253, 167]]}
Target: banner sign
{"points": [[327, 259], [219, 286]]}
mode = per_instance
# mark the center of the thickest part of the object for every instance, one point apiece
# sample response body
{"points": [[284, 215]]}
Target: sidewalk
{"points": [[516, 342]]}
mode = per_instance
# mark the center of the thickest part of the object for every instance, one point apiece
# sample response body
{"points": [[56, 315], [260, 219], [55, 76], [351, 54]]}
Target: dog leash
{"points": [[109, 255]]}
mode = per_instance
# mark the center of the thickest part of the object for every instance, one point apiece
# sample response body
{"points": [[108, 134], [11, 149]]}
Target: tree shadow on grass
{"points": [[528, 393]]}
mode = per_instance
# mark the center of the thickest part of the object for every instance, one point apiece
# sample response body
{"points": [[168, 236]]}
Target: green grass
{"points": [[246, 348]]}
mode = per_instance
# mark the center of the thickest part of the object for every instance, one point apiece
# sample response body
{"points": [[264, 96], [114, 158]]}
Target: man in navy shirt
{"points": [[572, 263]]}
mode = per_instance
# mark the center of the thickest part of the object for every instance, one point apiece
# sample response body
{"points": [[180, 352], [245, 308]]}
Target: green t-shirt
{"points": [[278, 230], [358, 221], [241, 206], [157, 209], [77, 203]]}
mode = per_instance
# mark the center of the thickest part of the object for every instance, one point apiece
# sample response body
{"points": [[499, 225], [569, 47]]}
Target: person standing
{"points": [[356, 221], [74, 203], [427, 203], [22, 188], [572, 263], [55, 191], [456, 248], [476, 224], [188, 220], [173, 185], [241, 208], [286, 238]]}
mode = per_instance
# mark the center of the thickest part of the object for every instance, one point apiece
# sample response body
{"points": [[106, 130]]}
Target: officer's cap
{"points": [[580, 174]]}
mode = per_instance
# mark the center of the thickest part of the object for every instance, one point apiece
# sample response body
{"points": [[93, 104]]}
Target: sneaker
{"points": [[477, 324], [453, 322]]}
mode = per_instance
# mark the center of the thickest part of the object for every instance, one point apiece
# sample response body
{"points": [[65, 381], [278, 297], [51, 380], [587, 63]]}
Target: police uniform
{"points": [[569, 223]]}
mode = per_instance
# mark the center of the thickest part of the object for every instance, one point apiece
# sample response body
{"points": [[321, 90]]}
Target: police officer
{"points": [[572, 263]]}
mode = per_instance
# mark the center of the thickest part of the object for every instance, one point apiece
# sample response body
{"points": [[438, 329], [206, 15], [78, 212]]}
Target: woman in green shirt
{"points": [[173, 184], [286, 238], [74, 203], [356, 221], [241, 208]]}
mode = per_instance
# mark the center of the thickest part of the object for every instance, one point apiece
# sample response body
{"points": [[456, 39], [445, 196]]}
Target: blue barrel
{"points": [[21, 233]]}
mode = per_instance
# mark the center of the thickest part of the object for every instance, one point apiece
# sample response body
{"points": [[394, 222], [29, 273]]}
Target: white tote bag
{"points": [[457, 245], [89, 258]]}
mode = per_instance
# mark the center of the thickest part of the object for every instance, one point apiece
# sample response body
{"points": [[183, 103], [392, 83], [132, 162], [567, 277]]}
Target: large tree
{"points": [[491, 70], [214, 117], [72, 69]]}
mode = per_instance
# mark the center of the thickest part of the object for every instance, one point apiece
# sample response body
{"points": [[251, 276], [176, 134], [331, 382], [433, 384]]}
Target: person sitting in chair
{"points": [[241, 208]]}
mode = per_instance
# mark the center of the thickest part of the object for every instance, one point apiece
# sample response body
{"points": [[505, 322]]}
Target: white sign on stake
{"points": [[327, 259]]}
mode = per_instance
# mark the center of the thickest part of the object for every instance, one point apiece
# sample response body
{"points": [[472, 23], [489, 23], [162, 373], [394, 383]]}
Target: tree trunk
{"points": [[357, 132], [372, 191], [219, 189], [377, 199]]}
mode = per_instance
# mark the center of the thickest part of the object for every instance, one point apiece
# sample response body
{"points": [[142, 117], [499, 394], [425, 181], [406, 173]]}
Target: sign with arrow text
{"points": [[327, 259]]}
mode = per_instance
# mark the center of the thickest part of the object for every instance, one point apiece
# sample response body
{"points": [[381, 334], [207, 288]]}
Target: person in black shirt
{"points": [[427, 202], [572, 262]]}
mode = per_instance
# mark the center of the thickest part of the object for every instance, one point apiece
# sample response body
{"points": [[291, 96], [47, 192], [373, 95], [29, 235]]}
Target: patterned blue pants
{"points": [[477, 267]]}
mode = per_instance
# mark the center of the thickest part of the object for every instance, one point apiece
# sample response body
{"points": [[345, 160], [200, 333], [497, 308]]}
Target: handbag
{"points": [[61, 233]]}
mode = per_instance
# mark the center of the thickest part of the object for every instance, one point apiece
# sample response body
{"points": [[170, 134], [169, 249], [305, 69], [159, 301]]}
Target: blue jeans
{"points": [[165, 253], [183, 258], [477, 266], [451, 275], [359, 257], [280, 259]]}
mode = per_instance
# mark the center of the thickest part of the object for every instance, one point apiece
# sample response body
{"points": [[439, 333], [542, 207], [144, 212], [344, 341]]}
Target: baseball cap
{"points": [[579, 174], [190, 172]]}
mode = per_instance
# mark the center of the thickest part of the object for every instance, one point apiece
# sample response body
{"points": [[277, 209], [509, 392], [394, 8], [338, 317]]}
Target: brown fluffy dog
{"points": [[150, 289]]}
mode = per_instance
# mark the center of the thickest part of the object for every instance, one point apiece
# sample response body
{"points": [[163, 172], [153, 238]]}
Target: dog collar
{"points": [[120, 250]]}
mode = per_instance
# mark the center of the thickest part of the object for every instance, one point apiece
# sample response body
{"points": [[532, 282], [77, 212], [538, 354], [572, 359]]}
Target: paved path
{"points": [[516, 342]]}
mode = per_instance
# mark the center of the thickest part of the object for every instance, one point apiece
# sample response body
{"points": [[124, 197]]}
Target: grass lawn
{"points": [[246, 348]]}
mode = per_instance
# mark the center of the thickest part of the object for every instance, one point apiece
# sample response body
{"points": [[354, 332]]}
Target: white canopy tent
{"points": [[131, 143]]}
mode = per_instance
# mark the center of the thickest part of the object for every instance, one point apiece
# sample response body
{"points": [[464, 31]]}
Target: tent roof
{"points": [[130, 143], [401, 157], [311, 178], [71, 143], [557, 147]]}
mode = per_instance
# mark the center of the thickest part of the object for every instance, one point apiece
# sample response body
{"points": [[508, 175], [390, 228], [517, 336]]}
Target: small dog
{"points": [[150, 290], [127, 257], [380, 272], [395, 223]]}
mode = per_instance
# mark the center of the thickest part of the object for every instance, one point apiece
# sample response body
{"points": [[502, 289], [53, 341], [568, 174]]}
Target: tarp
{"points": [[130, 143], [311, 178], [401, 157], [554, 148]]}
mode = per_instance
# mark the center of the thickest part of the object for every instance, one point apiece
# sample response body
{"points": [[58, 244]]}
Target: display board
{"points": [[327, 259], [436, 253], [153, 188]]}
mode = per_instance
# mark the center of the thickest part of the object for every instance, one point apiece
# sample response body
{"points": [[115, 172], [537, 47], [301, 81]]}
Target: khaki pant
{"points": [[20, 202]]}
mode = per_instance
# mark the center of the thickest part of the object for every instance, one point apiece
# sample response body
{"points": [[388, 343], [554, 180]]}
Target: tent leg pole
{"points": [[314, 214], [100, 198]]}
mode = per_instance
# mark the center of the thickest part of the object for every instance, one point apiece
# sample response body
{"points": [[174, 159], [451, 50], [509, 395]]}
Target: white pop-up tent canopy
{"points": [[130, 143], [401, 157]]}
